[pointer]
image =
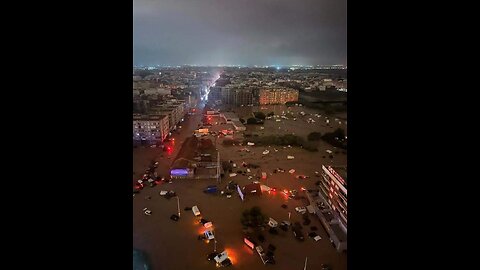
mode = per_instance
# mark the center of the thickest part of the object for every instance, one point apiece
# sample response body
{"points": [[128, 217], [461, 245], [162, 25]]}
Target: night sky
{"points": [[240, 32]]}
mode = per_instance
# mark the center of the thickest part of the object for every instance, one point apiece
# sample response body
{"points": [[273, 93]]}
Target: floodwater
{"points": [[174, 245]]}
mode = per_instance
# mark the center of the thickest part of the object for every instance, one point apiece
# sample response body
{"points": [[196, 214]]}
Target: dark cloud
{"points": [[246, 32]]}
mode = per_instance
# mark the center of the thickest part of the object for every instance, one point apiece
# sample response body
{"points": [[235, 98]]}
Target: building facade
{"points": [[175, 111], [150, 129], [334, 189], [330, 204], [277, 95]]}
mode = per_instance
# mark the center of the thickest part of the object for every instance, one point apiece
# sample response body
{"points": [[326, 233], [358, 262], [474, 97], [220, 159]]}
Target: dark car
{"points": [[211, 189], [298, 234], [269, 259], [326, 267], [203, 221], [226, 263], [174, 217], [211, 256]]}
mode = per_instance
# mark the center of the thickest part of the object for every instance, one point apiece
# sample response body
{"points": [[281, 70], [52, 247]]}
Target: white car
{"points": [[302, 210], [317, 238], [209, 235], [208, 224], [195, 210]]}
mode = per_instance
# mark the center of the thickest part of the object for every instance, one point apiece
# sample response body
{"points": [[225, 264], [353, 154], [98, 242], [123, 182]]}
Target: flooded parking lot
{"points": [[174, 245]]}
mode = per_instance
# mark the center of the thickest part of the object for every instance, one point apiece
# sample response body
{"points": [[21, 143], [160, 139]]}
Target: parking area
{"points": [[162, 237]]}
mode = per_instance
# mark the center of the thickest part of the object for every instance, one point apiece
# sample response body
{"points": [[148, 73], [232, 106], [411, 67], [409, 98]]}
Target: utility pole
{"points": [[218, 167], [305, 267], [178, 206]]}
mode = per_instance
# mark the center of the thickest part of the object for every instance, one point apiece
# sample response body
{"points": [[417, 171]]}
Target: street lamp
{"points": [[178, 205]]}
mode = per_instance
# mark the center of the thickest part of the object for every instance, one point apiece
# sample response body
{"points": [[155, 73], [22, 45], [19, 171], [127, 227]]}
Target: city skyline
{"points": [[245, 33]]}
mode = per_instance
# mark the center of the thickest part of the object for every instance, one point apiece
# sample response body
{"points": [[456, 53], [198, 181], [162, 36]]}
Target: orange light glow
{"points": [[248, 250], [201, 229], [232, 255]]}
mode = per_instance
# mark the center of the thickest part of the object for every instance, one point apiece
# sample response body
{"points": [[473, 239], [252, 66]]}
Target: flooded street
{"points": [[174, 244]]}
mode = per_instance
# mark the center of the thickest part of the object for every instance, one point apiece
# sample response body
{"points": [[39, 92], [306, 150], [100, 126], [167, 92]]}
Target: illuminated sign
{"points": [[240, 192], [179, 172], [249, 243]]}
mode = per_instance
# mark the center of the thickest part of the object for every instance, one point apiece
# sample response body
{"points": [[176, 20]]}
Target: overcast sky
{"points": [[240, 32]]}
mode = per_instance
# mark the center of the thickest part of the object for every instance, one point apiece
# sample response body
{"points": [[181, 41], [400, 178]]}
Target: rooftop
{"points": [[148, 117], [187, 152]]}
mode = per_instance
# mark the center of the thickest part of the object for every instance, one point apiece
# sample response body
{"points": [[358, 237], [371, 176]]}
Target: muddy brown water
{"points": [[174, 245]]}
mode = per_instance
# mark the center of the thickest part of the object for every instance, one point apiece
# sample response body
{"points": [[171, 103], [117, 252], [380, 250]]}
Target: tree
{"points": [[339, 133], [253, 217], [314, 136], [271, 114], [310, 147], [259, 115], [251, 120], [290, 103]]}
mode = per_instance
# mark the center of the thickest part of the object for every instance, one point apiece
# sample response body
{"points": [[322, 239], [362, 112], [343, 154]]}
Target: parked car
{"points": [[302, 210], [209, 235], [298, 234], [326, 267], [211, 256], [211, 189]]}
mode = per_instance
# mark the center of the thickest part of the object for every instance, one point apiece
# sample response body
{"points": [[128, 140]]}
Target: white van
{"points": [[195, 210], [272, 223]]}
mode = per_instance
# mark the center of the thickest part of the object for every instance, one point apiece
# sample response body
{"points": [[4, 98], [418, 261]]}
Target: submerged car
{"points": [[211, 256], [298, 234]]}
